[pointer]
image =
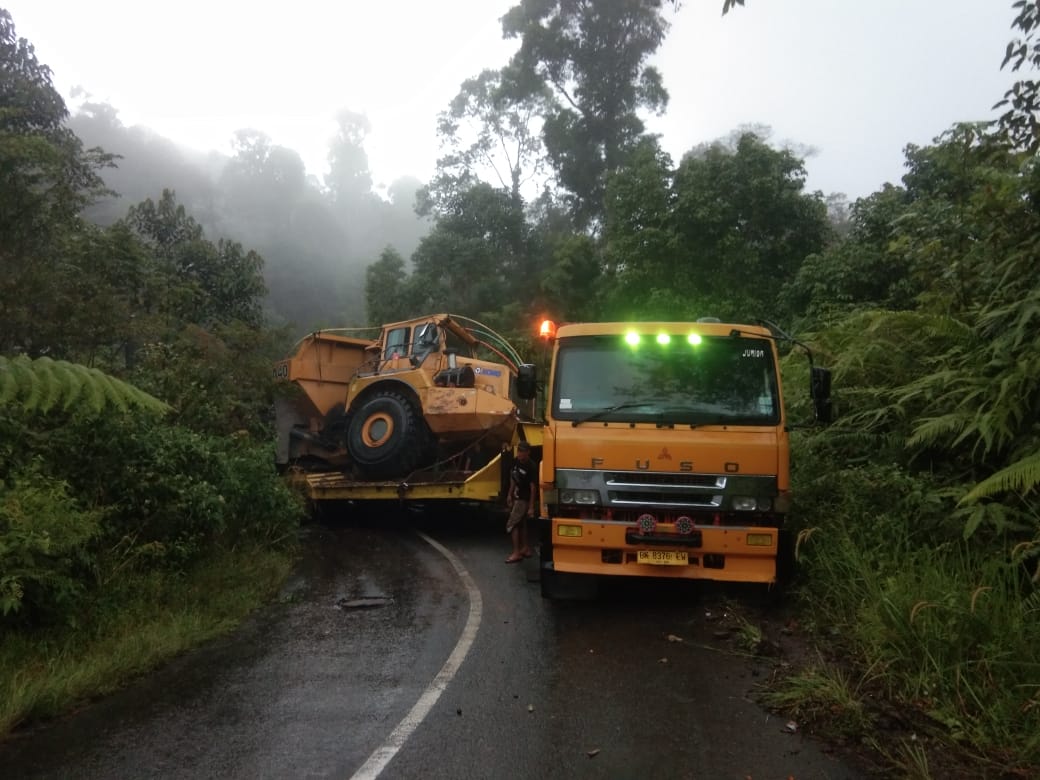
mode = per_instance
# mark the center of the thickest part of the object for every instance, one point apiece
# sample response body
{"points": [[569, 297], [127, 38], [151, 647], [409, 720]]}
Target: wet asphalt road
{"points": [[314, 684]]}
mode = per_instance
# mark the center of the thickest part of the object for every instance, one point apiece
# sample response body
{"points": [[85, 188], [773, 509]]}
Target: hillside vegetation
{"points": [[135, 473]]}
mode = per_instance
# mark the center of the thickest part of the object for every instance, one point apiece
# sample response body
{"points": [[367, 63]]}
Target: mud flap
{"points": [[286, 417]]}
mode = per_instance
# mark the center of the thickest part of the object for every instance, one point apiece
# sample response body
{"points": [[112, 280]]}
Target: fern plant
{"points": [[43, 384]]}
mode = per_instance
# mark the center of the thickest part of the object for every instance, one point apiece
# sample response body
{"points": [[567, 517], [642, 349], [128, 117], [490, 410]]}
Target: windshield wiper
{"points": [[616, 407]]}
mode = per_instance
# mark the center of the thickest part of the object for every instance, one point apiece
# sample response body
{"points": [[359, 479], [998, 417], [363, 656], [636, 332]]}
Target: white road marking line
{"points": [[382, 755]]}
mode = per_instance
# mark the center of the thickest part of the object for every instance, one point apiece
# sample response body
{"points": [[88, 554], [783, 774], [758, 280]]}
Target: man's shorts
{"points": [[516, 514]]}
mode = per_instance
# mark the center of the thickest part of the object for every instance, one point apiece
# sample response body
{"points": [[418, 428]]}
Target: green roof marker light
{"points": [[664, 339], [632, 338], [694, 339]]}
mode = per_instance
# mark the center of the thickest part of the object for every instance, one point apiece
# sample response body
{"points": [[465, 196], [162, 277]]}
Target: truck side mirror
{"points": [[820, 391], [527, 381]]}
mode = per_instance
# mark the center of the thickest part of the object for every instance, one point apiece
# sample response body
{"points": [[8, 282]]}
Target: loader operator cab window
{"points": [[427, 338], [397, 342]]}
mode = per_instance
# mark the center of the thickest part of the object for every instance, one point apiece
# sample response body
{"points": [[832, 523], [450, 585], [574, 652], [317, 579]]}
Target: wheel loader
{"points": [[435, 398]]}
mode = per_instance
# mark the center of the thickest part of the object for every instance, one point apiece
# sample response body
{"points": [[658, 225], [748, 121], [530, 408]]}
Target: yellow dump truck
{"points": [[424, 409], [665, 453]]}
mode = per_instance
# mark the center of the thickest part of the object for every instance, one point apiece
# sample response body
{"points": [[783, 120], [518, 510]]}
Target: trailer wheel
{"points": [[387, 438]]}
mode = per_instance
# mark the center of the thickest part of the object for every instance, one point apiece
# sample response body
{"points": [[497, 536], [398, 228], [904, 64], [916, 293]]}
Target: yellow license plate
{"points": [[663, 557]]}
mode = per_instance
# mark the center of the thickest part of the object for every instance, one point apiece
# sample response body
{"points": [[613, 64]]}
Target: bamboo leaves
{"points": [[1021, 476]]}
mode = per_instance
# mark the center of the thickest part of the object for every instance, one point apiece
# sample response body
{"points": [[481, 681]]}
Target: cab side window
{"points": [[397, 342]]}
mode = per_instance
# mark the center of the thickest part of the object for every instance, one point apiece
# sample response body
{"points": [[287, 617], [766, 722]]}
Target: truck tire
{"points": [[387, 438]]}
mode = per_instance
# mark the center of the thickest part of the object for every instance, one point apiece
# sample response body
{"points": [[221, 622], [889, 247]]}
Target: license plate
{"points": [[663, 557]]}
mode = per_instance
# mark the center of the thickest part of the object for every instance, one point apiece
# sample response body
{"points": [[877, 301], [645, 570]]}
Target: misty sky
{"points": [[854, 79]]}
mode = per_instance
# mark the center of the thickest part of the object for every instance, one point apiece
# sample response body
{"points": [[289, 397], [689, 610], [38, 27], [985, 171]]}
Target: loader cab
{"points": [[397, 342], [427, 341]]}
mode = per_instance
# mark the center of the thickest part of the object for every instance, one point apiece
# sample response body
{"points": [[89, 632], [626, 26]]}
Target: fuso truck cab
{"points": [[665, 452]]}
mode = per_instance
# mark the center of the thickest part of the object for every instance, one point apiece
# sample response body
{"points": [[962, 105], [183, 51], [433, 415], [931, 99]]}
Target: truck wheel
{"points": [[558, 586], [387, 438]]}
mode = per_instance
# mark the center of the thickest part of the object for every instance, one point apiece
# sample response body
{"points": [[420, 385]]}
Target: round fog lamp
{"points": [[647, 523], [684, 525]]}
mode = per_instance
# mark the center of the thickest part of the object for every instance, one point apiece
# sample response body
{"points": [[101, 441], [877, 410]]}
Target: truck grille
{"points": [[675, 491], [641, 479], [669, 500]]}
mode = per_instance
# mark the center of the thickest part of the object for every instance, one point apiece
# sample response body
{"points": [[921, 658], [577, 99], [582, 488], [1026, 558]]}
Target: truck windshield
{"points": [[720, 380]]}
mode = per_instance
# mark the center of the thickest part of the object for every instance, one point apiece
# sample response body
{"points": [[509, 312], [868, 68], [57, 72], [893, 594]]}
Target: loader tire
{"points": [[387, 437]]}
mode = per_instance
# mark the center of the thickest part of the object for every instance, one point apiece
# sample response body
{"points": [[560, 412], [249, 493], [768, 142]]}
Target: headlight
{"points": [[744, 503], [750, 504], [587, 497]]}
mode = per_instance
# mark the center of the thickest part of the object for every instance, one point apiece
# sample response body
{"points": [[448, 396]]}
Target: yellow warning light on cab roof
{"points": [[547, 330]]}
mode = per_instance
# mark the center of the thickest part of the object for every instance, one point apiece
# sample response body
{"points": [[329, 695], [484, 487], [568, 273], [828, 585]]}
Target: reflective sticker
{"points": [[565, 403]]}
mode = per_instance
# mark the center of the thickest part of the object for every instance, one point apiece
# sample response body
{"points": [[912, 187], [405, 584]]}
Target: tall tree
{"points": [[349, 179], [860, 269], [46, 178], [262, 184], [202, 282], [386, 293], [593, 56], [476, 257], [486, 131], [718, 236]]}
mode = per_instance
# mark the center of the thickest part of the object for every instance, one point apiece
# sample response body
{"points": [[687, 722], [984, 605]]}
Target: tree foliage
{"points": [[46, 178], [476, 258], [593, 57], [196, 280], [487, 132], [99, 478], [1019, 124], [718, 235]]}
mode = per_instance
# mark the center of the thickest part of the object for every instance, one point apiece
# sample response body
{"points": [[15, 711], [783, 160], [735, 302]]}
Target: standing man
{"points": [[523, 495]]}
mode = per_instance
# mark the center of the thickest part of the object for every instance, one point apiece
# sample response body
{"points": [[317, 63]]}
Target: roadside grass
{"points": [[749, 636], [152, 618], [947, 634], [824, 692]]}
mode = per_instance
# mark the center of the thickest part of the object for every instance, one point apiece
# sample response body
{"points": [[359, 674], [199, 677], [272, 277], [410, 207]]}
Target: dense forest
{"points": [[136, 334]]}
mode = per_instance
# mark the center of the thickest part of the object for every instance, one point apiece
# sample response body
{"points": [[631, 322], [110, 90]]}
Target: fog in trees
{"points": [[316, 236]]}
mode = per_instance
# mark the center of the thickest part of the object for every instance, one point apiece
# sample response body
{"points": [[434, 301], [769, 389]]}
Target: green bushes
{"points": [[915, 613], [46, 560], [125, 540], [89, 500]]}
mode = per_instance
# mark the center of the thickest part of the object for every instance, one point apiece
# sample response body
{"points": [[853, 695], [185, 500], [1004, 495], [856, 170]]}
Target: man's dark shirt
{"points": [[523, 475]]}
